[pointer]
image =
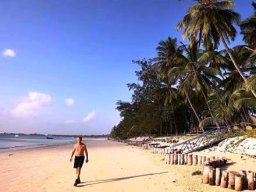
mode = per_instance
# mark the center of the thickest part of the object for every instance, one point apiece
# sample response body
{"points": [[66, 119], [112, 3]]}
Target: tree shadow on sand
{"points": [[117, 179]]}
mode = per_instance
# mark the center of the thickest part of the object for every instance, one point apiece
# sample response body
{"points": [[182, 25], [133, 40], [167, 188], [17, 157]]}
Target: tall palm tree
{"points": [[248, 29], [167, 52], [211, 21], [200, 77]]}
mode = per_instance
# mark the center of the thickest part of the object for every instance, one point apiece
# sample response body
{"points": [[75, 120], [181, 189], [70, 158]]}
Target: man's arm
{"points": [[73, 152], [86, 153]]}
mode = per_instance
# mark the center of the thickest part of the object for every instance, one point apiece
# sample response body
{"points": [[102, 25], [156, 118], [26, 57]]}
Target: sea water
{"points": [[9, 142]]}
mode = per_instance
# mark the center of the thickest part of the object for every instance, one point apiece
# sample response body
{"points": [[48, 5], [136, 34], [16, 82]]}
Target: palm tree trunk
{"points": [[192, 107], [233, 61], [209, 109]]}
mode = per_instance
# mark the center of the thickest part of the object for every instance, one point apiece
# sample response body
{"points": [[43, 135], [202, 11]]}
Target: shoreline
{"points": [[35, 148], [22, 148]]}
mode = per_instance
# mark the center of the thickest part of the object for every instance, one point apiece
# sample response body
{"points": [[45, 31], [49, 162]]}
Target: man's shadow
{"points": [[83, 184]]}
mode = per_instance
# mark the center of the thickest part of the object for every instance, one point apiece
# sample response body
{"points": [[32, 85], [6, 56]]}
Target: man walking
{"points": [[79, 151]]}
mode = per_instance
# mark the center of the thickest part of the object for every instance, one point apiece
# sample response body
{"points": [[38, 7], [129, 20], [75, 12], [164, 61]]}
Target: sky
{"points": [[65, 63]]}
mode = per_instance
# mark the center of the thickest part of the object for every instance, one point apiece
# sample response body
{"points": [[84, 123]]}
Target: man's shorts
{"points": [[79, 161]]}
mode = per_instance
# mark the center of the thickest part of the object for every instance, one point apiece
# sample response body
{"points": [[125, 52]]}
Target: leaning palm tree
{"points": [[167, 54], [248, 29], [201, 77], [211, 21]]}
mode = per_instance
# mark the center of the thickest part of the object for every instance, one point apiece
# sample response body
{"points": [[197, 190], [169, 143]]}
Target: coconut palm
{"points": [[167, 52], [248, 29], [211, 21], [195, 75]]}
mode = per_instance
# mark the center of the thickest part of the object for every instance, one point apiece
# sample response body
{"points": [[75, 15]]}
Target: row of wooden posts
{"points": [[190, 159], [229, 179], [212, 173]]}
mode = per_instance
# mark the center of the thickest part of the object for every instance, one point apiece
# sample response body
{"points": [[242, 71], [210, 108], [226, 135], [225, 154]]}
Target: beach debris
{"points": [[239, 145], [10, 154], [198, 172]]}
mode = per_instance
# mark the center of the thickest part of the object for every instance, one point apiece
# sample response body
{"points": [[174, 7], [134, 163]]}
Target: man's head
{"points": [[79, 139]]}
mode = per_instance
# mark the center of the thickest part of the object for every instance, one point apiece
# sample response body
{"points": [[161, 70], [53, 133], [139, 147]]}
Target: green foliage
{"points": [[187, 88], [248, 28]]}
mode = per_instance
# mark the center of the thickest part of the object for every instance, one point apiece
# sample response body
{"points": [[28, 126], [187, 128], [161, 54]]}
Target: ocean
{"points": [[15, 142]]}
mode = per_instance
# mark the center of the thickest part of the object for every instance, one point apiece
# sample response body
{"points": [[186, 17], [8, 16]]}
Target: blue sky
{"points": [[64, 64]]}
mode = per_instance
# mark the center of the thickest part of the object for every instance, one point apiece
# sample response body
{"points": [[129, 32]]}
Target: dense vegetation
{"points": [[187, 87]]}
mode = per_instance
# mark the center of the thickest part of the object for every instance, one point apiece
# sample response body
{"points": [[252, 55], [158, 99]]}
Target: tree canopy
{"points": [[187, 88]]}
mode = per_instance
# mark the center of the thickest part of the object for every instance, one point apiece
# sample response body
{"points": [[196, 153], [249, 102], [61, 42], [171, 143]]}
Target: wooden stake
{"points": [[172, 159], [224, 179], [195, 160], [231, 180], [245, 181], [239, 182], [182, 159], [204, 159], [175, 159], [218, 177], [250, 178], [190, 161], [200, 160], [212, 176], [179, 159], [185, 158], [206, 174], [167, 159]]}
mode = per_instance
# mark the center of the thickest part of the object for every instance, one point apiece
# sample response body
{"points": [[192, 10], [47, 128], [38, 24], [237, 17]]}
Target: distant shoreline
{"points": [[28, 142], [56, 135]]}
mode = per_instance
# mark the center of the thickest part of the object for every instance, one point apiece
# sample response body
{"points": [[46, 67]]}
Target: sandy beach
{"points": [[112, 167]]}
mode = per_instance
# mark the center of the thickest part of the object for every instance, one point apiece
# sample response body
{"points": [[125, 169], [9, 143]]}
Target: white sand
{"points": [[112, 167]]}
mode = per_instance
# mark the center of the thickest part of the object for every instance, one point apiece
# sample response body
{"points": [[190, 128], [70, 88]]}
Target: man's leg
{"points": [[78, 172]]}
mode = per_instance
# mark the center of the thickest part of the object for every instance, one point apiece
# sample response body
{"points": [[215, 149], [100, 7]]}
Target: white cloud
{"points": [[31, 104], [70, 102], [89, 116], [9, 53]]}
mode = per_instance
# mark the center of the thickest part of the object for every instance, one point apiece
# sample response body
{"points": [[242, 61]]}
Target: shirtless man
{"points": [[79, 151]]}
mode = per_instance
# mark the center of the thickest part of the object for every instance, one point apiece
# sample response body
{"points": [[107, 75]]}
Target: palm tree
{"points": [[200, 77], [167, 52], [248, 29], [211, 21]]}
